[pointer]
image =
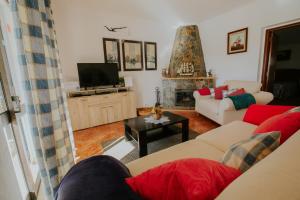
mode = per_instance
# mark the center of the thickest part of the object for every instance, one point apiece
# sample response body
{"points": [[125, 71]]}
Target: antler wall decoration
{"points": [[114, 29]]}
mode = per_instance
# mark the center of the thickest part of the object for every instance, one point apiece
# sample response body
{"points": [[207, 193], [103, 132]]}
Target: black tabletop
{"points": [[138, 124]]}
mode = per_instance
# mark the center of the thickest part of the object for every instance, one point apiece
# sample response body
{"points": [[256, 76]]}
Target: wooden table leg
{"points": [[185, 130], [142, 143], [128, 132]]}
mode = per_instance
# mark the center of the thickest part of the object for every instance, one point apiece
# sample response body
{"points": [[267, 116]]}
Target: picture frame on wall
{"points": [[237, 41], [150, 49], [132, 55], [111, 48]]}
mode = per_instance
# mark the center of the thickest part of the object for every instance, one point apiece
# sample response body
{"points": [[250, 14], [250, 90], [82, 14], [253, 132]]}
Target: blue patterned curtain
{"points": [[46, 102]]}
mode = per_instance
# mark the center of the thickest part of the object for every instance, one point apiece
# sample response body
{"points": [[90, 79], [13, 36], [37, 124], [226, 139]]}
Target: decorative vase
{"points": [[157, 109], [157, 112]]}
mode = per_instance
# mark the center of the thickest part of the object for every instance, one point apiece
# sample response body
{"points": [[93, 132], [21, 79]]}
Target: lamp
{"points": [[128, 81]]}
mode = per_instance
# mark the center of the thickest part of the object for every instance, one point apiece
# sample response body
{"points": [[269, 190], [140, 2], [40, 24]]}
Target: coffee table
{"points": [[137, 129]]}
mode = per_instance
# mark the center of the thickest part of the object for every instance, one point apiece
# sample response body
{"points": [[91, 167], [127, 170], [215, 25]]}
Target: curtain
{"points": [[46, 104]]}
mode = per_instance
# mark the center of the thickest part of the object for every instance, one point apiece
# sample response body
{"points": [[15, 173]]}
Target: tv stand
{"points": [[89, 108], [97, 91]]}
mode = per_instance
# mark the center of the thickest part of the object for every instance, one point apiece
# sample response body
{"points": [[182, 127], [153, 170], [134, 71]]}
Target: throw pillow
{"points": [[199, 179], [245, 154], [257, 114], [286, 123], [204, 91], [242, 101], [227, 92], [219, 91], [95, 178], [237, 92]]}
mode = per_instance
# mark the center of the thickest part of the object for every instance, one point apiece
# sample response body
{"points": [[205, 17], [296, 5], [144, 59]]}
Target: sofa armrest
{"points": [[197, 96], [226, 104], [263, 98], [260, 97], [256, 114]]}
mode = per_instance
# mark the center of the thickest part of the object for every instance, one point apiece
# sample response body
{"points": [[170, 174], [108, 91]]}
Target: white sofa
{"points": [[223, 111], [276, 177]]}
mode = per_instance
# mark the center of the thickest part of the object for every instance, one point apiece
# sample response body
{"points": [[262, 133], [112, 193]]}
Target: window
{"points": [[22, 125]]}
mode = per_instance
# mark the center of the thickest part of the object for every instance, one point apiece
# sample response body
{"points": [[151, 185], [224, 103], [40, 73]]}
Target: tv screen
{"points": [[98, 74]]}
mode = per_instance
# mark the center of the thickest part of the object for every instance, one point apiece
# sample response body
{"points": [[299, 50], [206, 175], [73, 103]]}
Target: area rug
{"points": [[127, 151]]}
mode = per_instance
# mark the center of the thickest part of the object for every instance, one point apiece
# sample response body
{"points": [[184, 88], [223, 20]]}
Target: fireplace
{"points": [[178, 92], [184, 98], [186, 71]]}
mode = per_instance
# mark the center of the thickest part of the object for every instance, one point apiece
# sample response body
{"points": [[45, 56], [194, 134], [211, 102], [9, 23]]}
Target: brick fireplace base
{"points": [[169, 92]]}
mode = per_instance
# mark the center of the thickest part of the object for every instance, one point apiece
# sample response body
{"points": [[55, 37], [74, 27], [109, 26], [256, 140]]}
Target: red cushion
{"points": [[237, 92], [204, 91], [256, 114], [219, 91], [195, 179], [286, 123]]}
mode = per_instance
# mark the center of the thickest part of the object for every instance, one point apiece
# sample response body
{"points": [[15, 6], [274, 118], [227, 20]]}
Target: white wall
{"points": [[80, 29], [257, 16]]}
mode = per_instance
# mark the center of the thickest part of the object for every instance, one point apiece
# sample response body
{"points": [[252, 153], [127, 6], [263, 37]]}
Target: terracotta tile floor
{"points": [[88, 142]]}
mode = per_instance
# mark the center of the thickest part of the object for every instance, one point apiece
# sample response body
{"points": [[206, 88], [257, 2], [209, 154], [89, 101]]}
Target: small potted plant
{"points": [[210, 73], [122, 81]]}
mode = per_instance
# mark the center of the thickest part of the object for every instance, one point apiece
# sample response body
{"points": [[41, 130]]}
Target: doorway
{"points": [[281, 67]]}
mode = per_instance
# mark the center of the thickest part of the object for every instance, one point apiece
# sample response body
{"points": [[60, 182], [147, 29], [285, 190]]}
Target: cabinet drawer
{"points": [[103, 99]]}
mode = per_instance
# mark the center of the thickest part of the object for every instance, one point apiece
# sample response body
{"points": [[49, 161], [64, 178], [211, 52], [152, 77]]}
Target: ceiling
{"points": [[185, 11]]}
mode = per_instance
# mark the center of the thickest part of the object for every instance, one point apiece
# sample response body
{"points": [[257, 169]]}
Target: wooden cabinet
{"points": [[77, 110], [90, 111]]}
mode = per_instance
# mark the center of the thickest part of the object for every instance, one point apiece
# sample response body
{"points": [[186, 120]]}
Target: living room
{"points": [[130, 93]]}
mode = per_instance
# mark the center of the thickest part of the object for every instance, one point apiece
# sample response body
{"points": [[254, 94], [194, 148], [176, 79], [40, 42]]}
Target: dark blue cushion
{"points": [[96, 178]]}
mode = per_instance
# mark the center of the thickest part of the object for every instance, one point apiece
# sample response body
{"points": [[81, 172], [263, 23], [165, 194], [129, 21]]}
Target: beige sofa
{"points": [[276, 177], [223, 111]]}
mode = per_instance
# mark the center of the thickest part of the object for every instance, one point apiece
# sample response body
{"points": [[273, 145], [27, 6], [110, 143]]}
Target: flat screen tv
{"points": [[98, 74]]}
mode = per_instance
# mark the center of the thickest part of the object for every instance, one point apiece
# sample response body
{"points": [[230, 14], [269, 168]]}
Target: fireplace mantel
{"points": [[188, 78]]}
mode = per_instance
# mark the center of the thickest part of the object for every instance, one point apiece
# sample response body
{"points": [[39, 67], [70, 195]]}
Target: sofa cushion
{"points": [[276, 177], [249, 86], [286, 123], [226, 135], [247, 153], [189, 149], [199, 179]]}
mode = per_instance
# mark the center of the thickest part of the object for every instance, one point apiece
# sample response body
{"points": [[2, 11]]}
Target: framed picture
{"points": [[150, 55], [111, 48], [132, 55], [237, 41]]}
